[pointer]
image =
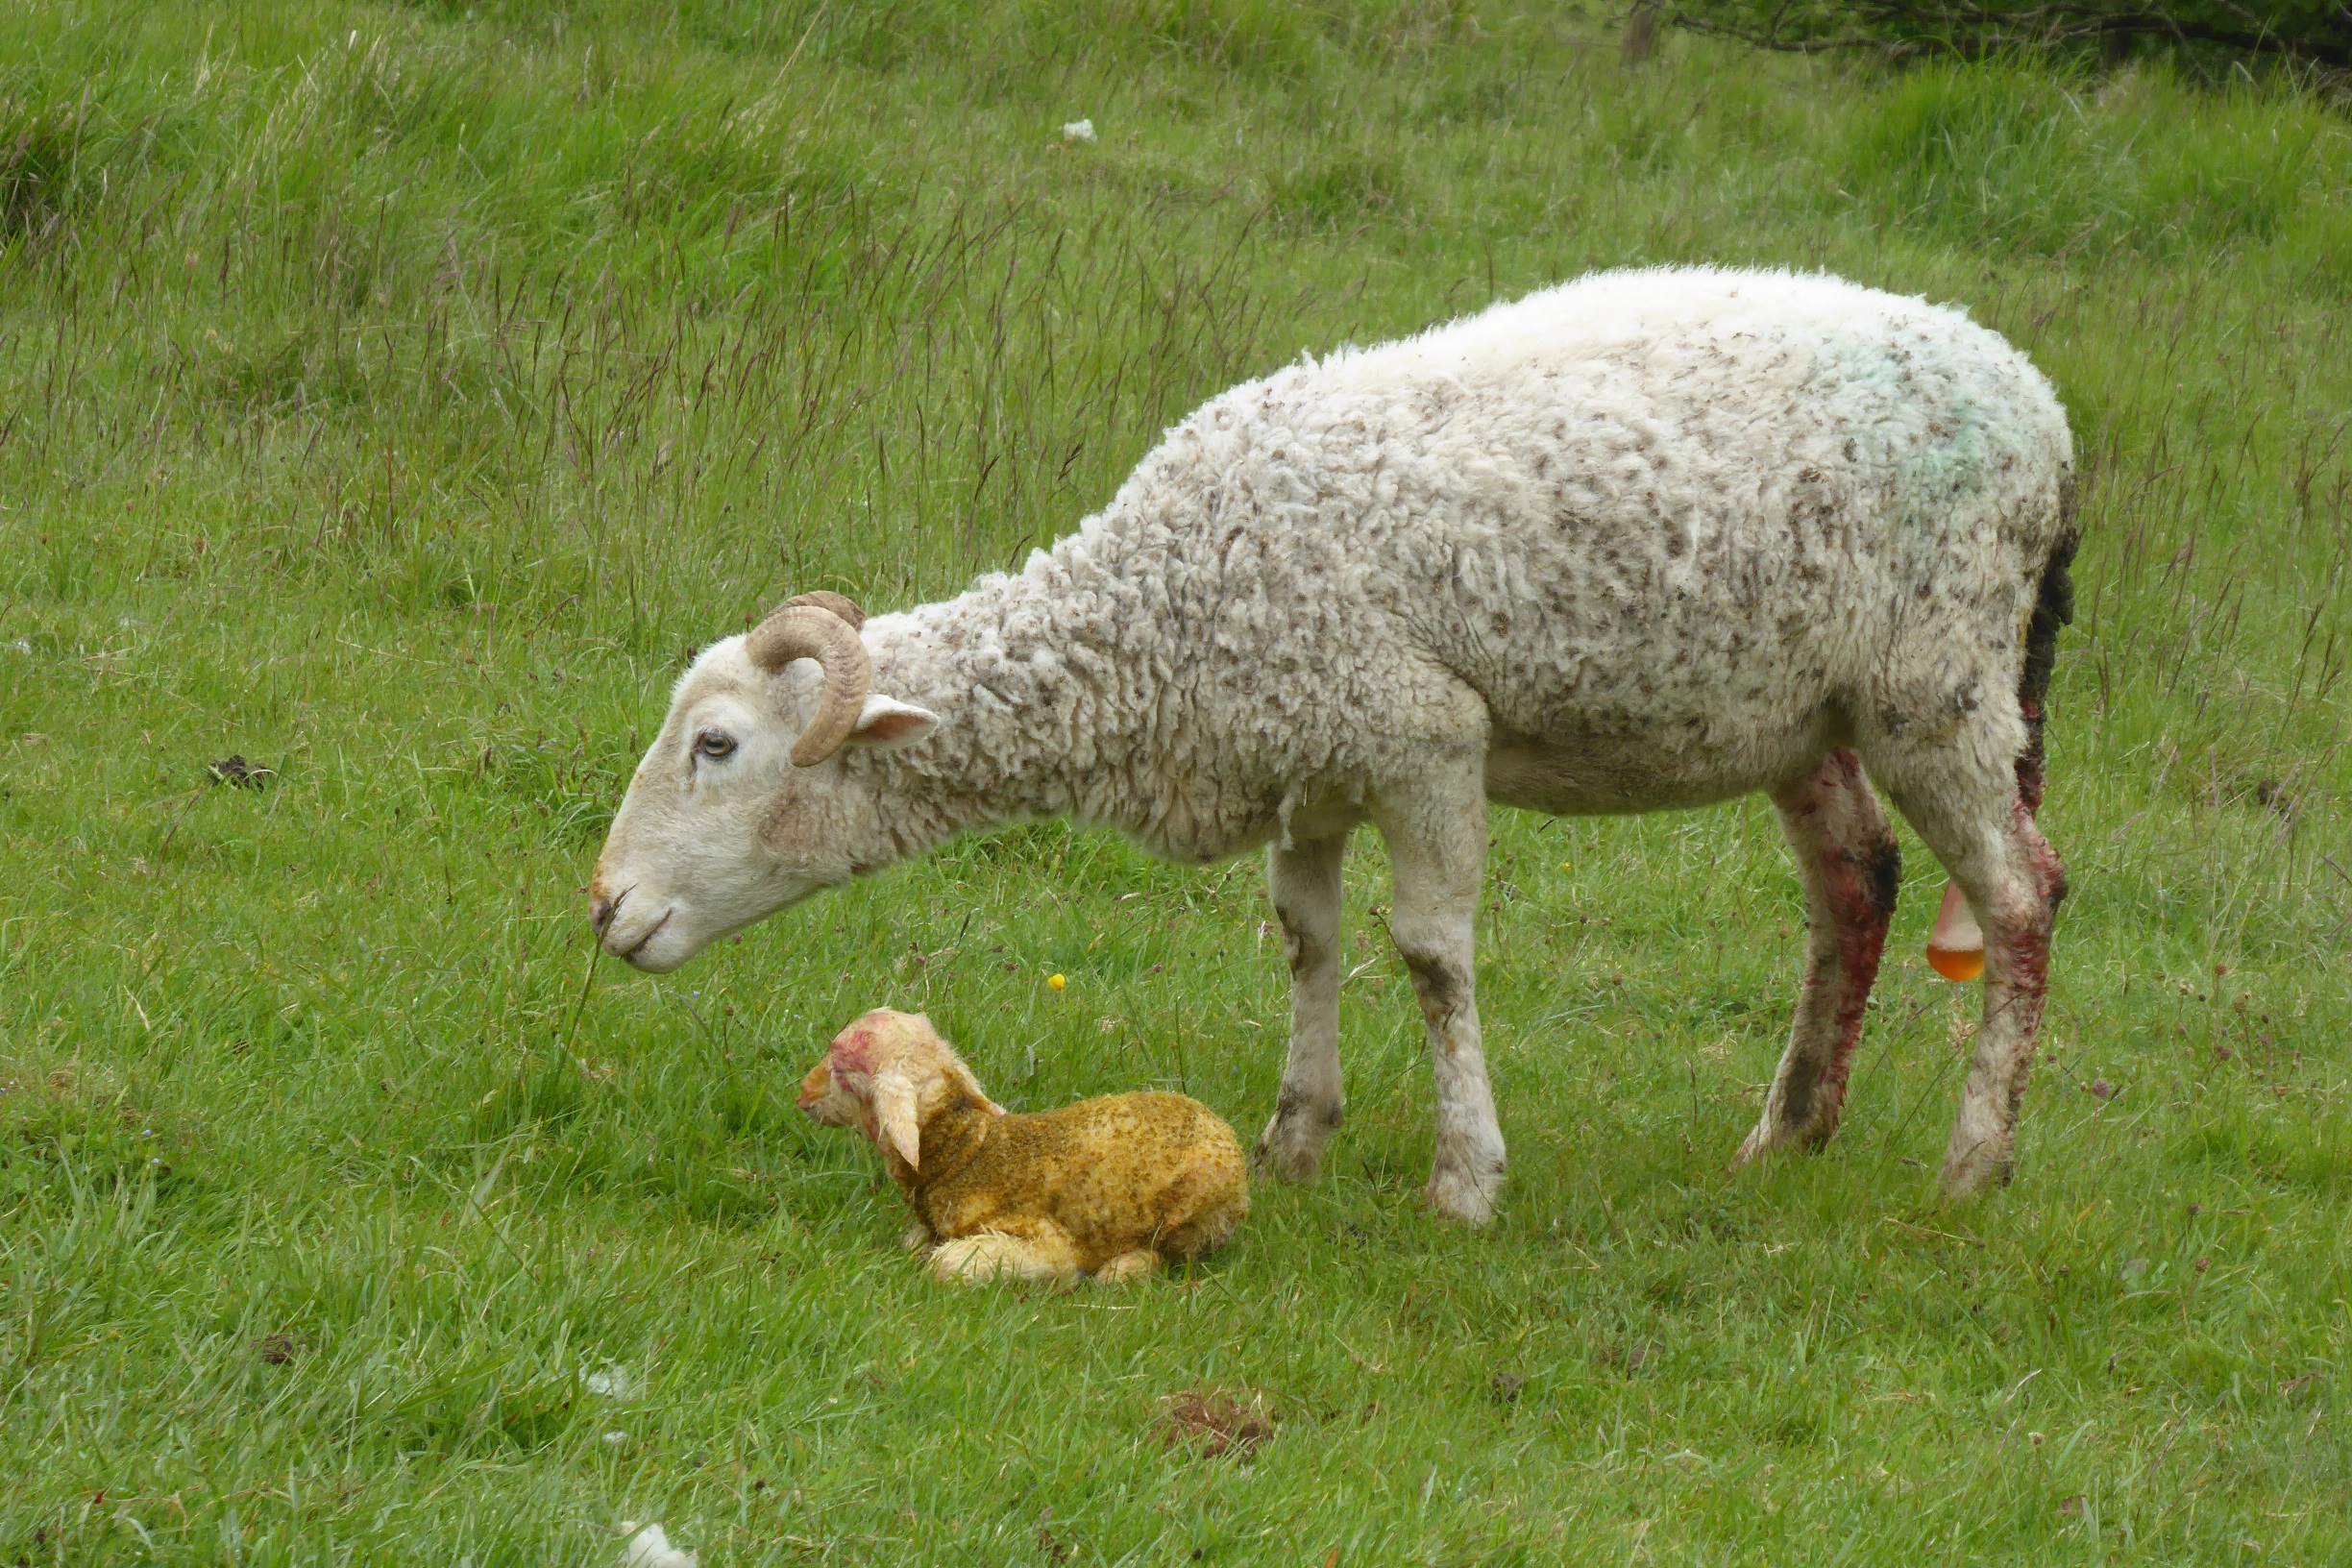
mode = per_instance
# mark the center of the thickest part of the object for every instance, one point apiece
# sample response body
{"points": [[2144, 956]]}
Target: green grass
{"points": [[394, 395]]}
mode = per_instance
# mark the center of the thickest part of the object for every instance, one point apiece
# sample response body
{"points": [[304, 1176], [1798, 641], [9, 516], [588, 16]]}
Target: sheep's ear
{"points": [[894, 1108], [885, 723], [971, 1085]]}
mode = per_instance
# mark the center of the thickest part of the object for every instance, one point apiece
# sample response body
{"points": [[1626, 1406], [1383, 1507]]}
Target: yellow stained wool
{"points": [[1111, 1186]]}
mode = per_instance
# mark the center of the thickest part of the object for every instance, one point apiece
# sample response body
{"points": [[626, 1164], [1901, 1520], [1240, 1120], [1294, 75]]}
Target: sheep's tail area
{"points": [[2053, 608], [1955, 947]]}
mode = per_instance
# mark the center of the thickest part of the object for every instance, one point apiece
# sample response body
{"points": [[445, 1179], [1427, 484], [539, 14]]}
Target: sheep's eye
{"points": [[714, 744]]}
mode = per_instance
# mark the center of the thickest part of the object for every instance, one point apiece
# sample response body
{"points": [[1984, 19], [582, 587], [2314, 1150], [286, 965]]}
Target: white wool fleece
{"points": [[1649, 539]]}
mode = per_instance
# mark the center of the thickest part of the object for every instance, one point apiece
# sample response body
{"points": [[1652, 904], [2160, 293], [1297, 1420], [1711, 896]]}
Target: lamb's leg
{"points": [[1140, 1263], [1437, 850], [1039, 1251], [1980, 826], [1305, 881], [1851, 865]]}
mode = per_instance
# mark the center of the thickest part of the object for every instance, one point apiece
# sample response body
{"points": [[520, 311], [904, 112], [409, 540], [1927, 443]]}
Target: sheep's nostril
{"points": [[599, 912]]}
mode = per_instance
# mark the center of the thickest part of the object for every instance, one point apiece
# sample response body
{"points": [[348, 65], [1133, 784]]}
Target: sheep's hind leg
{"points": [[1980, 825], [1437, 851], [1139, 1264], [1305, 882], [1850, 866]]}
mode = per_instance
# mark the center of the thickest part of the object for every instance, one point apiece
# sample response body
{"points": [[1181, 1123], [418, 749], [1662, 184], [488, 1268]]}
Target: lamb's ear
{"points": [[894, 1108], [885, 723], [973, 1091]]}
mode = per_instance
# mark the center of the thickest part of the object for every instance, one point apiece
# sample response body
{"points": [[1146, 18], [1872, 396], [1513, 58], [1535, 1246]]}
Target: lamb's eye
{"points": [[714, 744]]}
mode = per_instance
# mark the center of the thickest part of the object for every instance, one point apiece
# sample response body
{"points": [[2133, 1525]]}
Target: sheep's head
{"points": [[740, 806], [884, 1076]]}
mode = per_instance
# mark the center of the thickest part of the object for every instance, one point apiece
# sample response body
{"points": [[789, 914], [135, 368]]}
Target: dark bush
{"points": [[38, 164], [2314, 31]]}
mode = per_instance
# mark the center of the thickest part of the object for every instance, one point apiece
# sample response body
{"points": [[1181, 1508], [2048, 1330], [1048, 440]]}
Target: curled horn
{"points": [[821, 626], [825, 599]]}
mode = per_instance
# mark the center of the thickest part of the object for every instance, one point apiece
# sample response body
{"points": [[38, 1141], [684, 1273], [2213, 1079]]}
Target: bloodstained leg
{"points": [[2015, 882], [1851, 867], [1971, 785], [1983, 830], [1980, 824]]}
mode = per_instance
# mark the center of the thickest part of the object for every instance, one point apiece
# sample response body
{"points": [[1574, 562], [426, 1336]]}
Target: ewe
{"points": [[1648, 540]]}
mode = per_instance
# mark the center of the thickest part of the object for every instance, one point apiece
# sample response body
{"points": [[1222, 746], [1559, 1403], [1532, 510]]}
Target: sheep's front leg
{"points": [[1437, 851], [1305, 881]]}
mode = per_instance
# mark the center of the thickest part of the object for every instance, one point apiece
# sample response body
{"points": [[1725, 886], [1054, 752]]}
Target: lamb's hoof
{"points": [[1127, 1266], [1287, 1153], [1465, 1197], [990, 1256], [972, 1260]]}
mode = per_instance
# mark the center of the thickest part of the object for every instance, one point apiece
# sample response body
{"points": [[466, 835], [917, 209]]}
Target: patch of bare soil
{"points": [[1215, 1422]]}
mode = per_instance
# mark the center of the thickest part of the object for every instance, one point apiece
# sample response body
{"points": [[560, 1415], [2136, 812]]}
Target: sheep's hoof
{"points": [[1286, 1153], [1754, 1147], [1770, 1137], [1463, 1196], [1973, 1172]]}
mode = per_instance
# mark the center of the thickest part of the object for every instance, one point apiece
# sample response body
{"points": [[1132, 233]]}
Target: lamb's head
{"points": [[884, 1076], [740, 806]]}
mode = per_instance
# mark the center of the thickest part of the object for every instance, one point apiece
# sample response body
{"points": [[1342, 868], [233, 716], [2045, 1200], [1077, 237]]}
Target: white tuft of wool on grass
{"points": [[1078, 131], [651, 1548], [613, 1383]]}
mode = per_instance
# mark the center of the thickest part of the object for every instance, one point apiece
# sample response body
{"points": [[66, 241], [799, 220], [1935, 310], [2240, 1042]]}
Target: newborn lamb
{"points": [[1109, 1188]]}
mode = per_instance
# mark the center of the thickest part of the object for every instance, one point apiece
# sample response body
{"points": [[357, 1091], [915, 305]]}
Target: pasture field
{"points": [[392, 396]]}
